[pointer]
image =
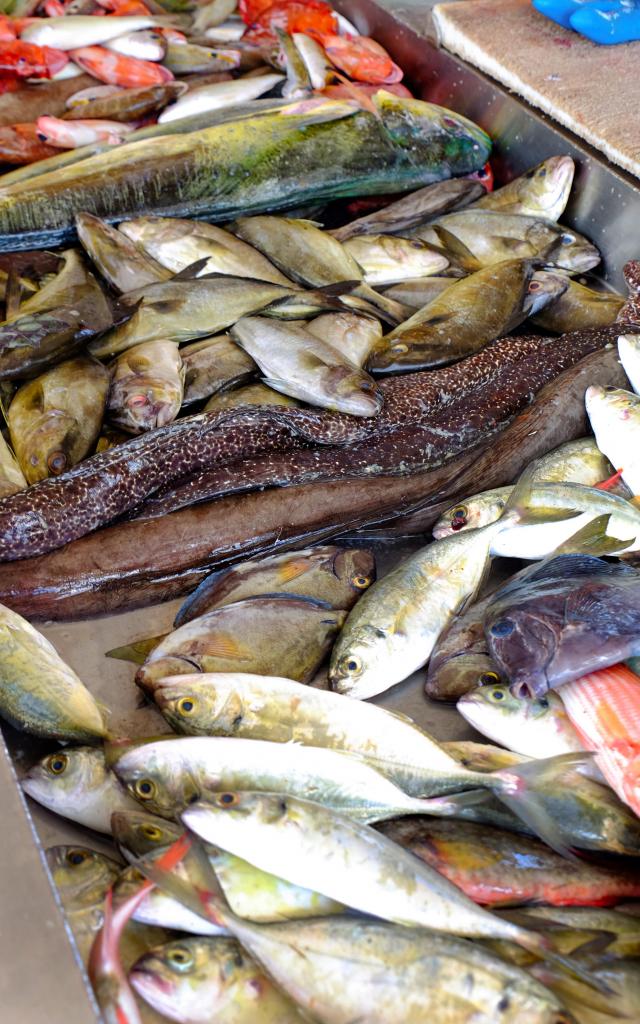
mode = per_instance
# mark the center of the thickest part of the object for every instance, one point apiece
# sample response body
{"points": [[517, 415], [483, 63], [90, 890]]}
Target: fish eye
{"points": [[361, 582], [449, 122], [534, 286], [57, 462], [567, 239], [459, 517], [180, 957], [497, 694], [367, 385], [145, 789], [186, 706], [610, 388], [487, 678], [399, 350], [56, 764], [151, 832], [76, 857], [502, 628], [542, 172], [228, 800], [543, 702], [351, 663]]}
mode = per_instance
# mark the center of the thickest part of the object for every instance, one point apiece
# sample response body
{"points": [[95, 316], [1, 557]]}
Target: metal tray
{"points": [[42, 980]]}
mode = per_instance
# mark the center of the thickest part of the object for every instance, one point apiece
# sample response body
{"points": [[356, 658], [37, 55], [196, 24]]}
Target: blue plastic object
{"points": [[608, 21], [562, 10]]}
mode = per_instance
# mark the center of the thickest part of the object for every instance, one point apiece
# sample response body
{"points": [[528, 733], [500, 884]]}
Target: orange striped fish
{"points": [[604, 707]]}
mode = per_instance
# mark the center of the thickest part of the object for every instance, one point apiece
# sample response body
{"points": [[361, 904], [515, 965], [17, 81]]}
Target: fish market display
{"points": [[295, 322]]}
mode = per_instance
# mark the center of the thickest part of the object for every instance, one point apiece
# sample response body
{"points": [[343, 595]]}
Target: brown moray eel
{"points": [[476, 395], [135, 563]]}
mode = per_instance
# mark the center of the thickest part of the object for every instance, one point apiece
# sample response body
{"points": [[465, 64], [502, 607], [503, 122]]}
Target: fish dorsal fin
{"points": [[188, 273], [458, 249], [579, 565]]}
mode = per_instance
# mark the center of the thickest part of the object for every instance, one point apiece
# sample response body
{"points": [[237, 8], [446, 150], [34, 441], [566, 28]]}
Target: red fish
{"points": [[604, 708], [485, 177], [360, 57], [7, 29], [121, 8], [342, 92], [292, 16], [54, 8], [20, 144], [116, 69], [26, 60]]}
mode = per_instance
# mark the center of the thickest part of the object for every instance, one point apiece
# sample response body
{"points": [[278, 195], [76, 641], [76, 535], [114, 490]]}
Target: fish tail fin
{"points": [[202, 893], [630, 312], [519, 788], [611, 481], [577, 983]]}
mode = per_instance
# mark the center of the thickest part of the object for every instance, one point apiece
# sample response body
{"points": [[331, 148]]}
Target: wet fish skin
{"points": [[279, 710], [614, 414], [460, 660], [77, 784], [309, 256], [393, 628], [288, 633], [500, 868], [212, 366], [537, 727], [460, 321], [629, 352], [302, 366], [251, 893], [166, 775], [147, 387], [417, 292], [542, 191], [330, 135], [328, 573], [578, 461], [346, 860], [121, 263], [202, 980], [40, 694], [82, 877], [491, 236], [11, 476], [125, 104], [250, 394], [573, 614], [54, 420], [580, 307], [177, 243], [414, 209], [219, 95], [351, 334], [389, 259], [185, 310], [54, 323]]}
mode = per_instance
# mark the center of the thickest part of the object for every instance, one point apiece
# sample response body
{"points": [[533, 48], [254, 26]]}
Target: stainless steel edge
{"points": [[605, 200]]}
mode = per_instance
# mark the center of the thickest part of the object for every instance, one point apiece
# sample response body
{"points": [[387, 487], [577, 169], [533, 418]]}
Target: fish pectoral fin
{"points": [[292, 570], [192, 270], [223, 645]]}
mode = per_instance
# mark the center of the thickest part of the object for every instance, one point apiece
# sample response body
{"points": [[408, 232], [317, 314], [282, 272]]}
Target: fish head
{"points": [[234, 820], [523, 644], [81, 875], [156, 777], [359, 658], [614, 414], [480, 510], [139, 833], [495, 712], [543, 289], [546, 187], [146, 404], [572, 251], [61, 779], [461, 674], [48, 442], [192, 708], [629, 352], [194, 979], [412, 123], [356, 392], [356, 567]]}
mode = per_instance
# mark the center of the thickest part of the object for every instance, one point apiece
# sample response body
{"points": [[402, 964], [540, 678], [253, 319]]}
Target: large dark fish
{"points": [[315, 149], [133, 563], [426, 418], [573, 615]]}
